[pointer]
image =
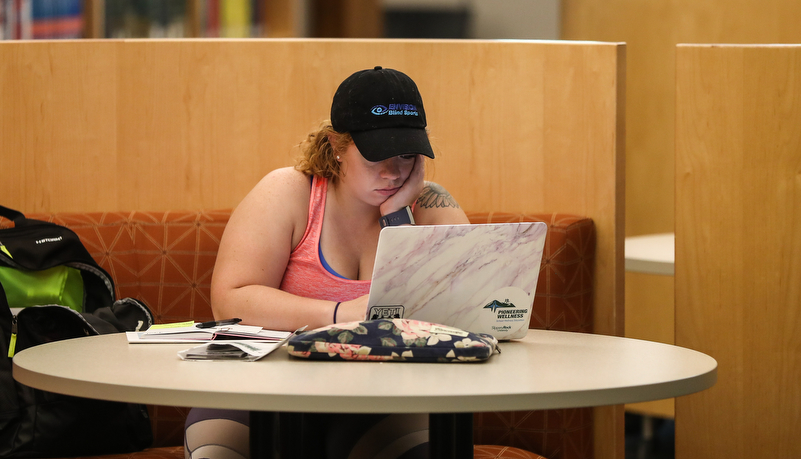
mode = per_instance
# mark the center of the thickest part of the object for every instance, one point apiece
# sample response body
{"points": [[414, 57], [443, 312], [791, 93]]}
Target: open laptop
{"points": [[479, 278]]}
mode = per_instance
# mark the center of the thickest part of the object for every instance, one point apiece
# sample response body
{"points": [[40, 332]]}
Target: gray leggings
{"points": [[225, 434]]}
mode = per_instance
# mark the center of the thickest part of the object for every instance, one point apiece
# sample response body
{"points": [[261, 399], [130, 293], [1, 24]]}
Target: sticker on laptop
{"points": [[386, 312], [506, 310]]}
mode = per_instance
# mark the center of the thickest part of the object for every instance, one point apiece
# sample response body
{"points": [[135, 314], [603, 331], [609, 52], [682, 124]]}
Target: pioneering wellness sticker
{"points": [[506, 310]]}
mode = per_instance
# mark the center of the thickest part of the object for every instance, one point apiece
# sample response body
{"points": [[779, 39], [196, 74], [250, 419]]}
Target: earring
{"points": [[338, 158]]}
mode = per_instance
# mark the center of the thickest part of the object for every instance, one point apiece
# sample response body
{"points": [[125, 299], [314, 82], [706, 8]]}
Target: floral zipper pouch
{"points": [[393, 340]]}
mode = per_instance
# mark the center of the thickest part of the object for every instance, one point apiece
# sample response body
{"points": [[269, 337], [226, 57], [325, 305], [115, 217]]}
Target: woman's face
{"points": [[375, 182]]}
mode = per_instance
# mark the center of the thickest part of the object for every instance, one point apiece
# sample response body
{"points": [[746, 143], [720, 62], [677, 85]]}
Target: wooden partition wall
{"points": [[738, 247], [651, 30], [188, 124]]}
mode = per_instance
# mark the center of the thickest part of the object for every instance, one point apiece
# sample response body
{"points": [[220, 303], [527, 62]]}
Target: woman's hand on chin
{"points": [[409, 191]]}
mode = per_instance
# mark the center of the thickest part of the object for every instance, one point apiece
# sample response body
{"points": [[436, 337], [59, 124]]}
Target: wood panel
{"points": [[651, 30], [58, 129], [738, 247], [183, 124]]}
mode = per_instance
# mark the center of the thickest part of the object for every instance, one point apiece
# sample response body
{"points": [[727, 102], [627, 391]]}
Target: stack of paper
{"points": [[224, 342], [192, 334]]}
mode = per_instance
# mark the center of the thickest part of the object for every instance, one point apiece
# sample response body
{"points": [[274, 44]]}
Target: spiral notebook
{"points": [[480, 278]]}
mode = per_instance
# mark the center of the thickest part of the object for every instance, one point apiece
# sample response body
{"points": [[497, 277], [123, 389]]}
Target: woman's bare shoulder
{"points": [[285, 186], [282, 194], [262, 231], [285, 179]]}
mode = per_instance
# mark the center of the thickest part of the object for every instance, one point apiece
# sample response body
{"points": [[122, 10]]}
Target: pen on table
{"points": [[217, 323]]}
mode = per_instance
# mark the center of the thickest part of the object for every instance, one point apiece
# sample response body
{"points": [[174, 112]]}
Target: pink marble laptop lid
{"points": [[480, 278]]}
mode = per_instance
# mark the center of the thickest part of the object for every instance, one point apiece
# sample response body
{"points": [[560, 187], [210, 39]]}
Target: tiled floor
{"points": [[659, 446]]}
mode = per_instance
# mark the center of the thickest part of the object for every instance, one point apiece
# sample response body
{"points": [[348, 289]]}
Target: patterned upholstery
{"points": [[502, 452], [166, 260], [563, 302], [163, 258]]}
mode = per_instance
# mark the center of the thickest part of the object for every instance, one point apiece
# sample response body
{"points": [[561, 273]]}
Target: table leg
{"points": [[279, 436], [262, 435], [450, 435]]}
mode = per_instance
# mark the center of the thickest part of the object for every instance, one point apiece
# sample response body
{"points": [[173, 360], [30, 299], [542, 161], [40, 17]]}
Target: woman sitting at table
{"points": [[300, 247]]}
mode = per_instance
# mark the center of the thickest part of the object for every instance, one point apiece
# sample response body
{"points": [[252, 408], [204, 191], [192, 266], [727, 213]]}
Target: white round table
{"points": [[546, 369], [651, 253]]}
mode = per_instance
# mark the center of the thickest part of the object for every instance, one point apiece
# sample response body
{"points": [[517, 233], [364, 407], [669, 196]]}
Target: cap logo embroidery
{"points": [[379, 110], [395, 109]]}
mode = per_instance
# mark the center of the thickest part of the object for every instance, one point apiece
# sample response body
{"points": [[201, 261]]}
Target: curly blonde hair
{"points": [[318, 156]]}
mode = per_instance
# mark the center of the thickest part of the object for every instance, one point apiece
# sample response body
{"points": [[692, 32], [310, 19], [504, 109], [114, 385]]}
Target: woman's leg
{"points": [[217, 434]]}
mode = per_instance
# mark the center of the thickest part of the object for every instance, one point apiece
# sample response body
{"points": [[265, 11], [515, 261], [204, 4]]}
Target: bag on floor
{"points": [[52, 289]]}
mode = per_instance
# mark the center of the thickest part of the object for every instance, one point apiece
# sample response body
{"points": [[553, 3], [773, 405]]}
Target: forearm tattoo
{"points": [[434, 195]]}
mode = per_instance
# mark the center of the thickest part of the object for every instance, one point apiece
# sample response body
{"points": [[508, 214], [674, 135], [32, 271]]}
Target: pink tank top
{"points": [[305, 275]]}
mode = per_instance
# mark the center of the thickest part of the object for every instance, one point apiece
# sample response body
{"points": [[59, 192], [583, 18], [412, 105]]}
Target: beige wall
{"points": [[738, 247]]}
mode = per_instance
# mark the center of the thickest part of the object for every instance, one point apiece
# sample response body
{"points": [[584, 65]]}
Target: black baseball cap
{"points": [[383, 111]]}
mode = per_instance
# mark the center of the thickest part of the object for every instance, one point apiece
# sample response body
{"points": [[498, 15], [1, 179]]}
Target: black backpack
{"points": [[39, 262]]}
